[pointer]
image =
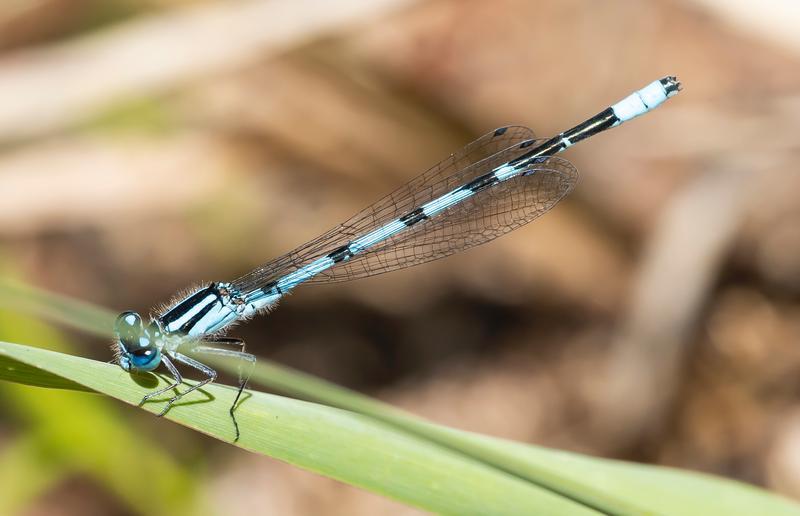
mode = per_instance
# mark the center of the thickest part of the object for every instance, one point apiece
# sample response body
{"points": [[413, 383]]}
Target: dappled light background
{"points": [[654, 315]]}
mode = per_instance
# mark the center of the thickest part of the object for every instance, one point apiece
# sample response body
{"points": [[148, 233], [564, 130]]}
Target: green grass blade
{"points": [[49, 306], [610, 486], [74, 433], [15, 371], [339, 444]]}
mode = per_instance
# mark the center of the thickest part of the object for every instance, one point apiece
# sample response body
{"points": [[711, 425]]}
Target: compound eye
{"points": [[145, 359], [129, 330]]}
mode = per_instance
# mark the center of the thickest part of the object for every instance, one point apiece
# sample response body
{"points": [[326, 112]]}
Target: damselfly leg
{"points": [[176, 377], [210, 348], [225, 347]]}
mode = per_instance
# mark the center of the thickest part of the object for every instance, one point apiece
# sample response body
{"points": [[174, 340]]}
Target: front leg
{"points": [[211, 375], [176, 375]]}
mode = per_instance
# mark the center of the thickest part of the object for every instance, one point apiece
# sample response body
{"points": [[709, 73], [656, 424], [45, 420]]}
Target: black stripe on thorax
{"points": [[188, 325], [187, 304], [179, 310]]}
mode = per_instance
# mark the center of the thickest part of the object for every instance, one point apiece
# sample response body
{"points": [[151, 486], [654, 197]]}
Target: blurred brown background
{"points": [[653, 316]]}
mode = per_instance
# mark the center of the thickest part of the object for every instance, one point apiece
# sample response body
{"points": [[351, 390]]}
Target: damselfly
{"points": [[497, 183]]}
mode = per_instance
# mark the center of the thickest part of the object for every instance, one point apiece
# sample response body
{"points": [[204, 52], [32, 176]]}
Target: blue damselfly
{"points": [[497, 183]]}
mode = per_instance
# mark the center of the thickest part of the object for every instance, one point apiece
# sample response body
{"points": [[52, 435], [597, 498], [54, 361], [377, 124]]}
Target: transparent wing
{"points": [[484, 216]]}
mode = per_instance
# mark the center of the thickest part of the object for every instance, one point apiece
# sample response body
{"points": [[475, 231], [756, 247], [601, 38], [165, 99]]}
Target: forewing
{"points": [[457, 228], [485, 216]]}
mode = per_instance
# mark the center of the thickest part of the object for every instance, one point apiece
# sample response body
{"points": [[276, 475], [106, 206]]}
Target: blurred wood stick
{"points": [[679, 268], [45, 89]]}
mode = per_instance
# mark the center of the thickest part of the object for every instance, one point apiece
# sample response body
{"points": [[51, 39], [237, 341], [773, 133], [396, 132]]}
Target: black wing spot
{"points": [[526, 143], [501, 131]]}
